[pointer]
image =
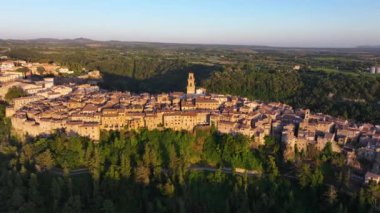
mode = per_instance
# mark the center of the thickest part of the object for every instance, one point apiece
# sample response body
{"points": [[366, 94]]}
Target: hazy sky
{"points": [[260, 22]]}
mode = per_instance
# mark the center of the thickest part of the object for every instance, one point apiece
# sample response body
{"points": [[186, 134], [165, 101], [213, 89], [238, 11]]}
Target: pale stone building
{"points": [[206, 103], [180, 120], [20, 102]]}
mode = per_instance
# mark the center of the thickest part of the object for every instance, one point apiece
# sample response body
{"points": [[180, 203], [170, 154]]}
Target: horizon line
{"points": [[195, 43]]}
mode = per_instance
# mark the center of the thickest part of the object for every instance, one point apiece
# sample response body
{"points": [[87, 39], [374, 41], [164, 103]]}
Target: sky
{"points": [[296, 23]]}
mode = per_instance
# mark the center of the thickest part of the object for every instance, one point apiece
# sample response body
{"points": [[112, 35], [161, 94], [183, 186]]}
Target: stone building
{"points": [[18, 103], [206, 103], [180, 120], [153, 120]]}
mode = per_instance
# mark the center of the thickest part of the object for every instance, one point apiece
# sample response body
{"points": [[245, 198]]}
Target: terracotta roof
{"points": [[90, 108]]}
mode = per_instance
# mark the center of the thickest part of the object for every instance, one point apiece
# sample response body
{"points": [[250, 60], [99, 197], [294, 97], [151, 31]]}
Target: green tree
{"points": [[304, 176], [125, 166], [272, 169], [33, 193], [56, 192], [17, 198], [24, 70], [73, 205], [14, 92], [108, 206], [317, 177], [41, 70], [331, 195], [45, 159], [142, 174]]}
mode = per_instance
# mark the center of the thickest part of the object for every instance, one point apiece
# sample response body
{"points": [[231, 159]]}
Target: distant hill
{"points": [[53, 40], [81, 41], [369, 46]]}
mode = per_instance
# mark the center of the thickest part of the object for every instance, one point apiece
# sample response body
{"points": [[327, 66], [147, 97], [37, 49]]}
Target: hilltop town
{"points": [[189, 106], [84, 109]]}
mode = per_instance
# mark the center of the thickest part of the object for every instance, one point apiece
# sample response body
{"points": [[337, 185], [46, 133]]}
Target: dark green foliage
{"points": [[5, 125], [151, 171], [23, 70], [14, 92], [40, 70], [267, 86], [230, 151]]}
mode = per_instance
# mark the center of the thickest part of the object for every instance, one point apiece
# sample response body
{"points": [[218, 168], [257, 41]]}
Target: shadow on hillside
{"points": [[172, 80]]}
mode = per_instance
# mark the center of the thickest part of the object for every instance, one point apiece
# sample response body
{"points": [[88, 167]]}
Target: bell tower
{"points": [[307, 114], [191, 84]]}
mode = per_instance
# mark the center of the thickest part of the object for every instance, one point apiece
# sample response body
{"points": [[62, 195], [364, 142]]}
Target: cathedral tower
{"points": [[307, 114], [191, 84]]}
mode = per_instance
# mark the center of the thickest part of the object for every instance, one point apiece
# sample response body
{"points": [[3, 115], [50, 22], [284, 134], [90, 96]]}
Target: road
{"points": [[58, 171], [226, 170]]}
